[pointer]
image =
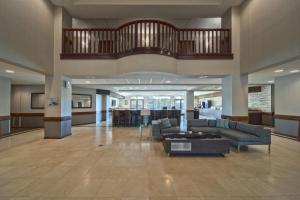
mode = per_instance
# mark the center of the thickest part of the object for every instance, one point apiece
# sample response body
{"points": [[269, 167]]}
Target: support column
{"points": [[104, 107], [5, 88], [58, 108], [189, 105], [235, 97]]}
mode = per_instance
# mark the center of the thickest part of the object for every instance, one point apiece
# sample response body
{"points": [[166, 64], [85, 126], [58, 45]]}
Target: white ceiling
{"points": [[21, 76], [148, 81], [153, 81], [266, 76], [174, 9]]}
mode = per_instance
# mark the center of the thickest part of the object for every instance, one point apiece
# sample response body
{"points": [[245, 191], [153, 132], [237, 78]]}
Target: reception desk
{"points": [[127, 117]]}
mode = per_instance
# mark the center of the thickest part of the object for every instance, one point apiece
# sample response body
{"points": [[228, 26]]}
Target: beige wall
{"points": [[21, 98], [179, 23], [5, 88], [287, 96], [270, 33], [26, 36]]}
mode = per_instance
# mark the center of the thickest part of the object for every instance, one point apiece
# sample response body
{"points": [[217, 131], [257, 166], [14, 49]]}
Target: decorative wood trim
{"points": [[56, 119], [299, 130], [190, 110], [4, 118], [84, 123], [27, 114], [84, 113], [145, 51], [268, 113], [235, 118], [287, 117], [285, 135]]}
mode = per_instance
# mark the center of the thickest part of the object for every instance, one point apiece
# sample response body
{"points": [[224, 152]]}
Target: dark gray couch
{"points": [[239, 133], [157, 130]]}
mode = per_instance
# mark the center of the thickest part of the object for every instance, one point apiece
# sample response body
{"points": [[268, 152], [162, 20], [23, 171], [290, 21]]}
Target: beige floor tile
{"points": [[127, 168]]}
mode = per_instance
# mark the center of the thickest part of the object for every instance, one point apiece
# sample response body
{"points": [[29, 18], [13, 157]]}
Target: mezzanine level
{"points": [[146, 37]]}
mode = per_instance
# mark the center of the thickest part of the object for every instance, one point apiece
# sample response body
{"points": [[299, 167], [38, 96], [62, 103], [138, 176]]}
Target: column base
{"points": [[57, 127], [236, 118], [4, 125]]}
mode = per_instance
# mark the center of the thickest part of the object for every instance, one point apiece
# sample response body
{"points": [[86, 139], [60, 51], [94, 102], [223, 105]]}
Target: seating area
{"points": [[239, 134]]}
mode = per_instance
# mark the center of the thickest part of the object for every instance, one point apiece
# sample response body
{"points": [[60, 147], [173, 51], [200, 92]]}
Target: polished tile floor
{"points": [[114, 164]]}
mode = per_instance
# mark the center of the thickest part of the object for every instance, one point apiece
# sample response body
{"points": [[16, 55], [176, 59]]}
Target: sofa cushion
{"points": [[173, 122], [165, 123], [197, 122], [222, 123], [204, 129], [248, 128], [173, 129], [232, 124], [238, 135], [212, 123]]}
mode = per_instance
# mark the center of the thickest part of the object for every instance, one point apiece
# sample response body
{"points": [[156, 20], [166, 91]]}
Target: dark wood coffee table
{"points": [[188, 146]]}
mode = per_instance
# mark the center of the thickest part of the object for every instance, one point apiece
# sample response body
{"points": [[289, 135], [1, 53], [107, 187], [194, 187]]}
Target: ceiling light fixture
{"points": [[168, 81], [203, 77], [295, 71], [270, 81], [88, 82], [278, 70], [9, 71]]}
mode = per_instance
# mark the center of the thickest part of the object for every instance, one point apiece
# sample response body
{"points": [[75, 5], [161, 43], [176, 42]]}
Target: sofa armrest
{"points": [[265, 135], [156, 129]]}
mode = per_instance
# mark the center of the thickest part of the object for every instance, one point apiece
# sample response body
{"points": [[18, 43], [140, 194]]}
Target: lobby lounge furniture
{"points": [[239, 133], [157, 130], [204, 144]]}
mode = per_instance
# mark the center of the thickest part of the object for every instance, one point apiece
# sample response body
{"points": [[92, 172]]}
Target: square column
{"points": [[104, 102], [189, 105], [5, 88], [58, 107], [235, 97]]}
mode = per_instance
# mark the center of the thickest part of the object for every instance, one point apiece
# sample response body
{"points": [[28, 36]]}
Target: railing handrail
{"points": [[146, 36], [146, 21]]}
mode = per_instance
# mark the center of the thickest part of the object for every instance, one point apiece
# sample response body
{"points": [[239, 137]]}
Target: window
{"points": [[137, 102]]}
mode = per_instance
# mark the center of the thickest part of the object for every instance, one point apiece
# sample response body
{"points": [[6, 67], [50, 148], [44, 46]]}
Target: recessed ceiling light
{"points": [[295, 71], [9, 71], [203, 76], [278, 70], [87, 82], [270, 81], [168, 81]]}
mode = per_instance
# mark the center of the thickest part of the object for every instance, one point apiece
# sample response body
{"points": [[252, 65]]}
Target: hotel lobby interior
{"points": [[149, 100]]}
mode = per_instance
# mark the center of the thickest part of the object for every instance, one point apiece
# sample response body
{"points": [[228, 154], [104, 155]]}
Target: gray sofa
{"points": [[157, 129], [239, 133]]}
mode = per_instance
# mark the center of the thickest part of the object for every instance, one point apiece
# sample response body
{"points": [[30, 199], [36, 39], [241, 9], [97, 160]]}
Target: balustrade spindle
{"points": [[146, 36]]}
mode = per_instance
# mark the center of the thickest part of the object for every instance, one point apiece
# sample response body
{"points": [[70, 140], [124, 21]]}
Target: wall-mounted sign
{"points": [[67, 84], [53, 101]]}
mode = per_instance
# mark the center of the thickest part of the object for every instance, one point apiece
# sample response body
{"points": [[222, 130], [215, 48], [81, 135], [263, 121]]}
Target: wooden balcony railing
{"points": [[146, 36]]}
